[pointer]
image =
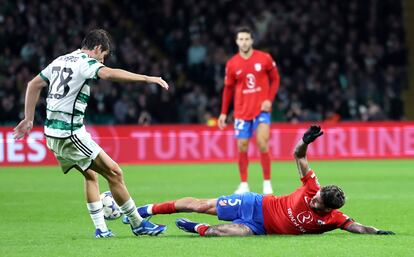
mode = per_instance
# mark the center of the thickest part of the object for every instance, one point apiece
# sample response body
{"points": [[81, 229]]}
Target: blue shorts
{"points": [[245, 128], [243, 209]]}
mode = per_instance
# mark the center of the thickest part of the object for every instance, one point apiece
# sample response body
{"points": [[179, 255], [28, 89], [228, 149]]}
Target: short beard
{"points": [[248, 49]]}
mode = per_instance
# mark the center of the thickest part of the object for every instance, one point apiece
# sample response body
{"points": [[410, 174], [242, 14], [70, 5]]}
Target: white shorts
{"points": [[76, 151]]}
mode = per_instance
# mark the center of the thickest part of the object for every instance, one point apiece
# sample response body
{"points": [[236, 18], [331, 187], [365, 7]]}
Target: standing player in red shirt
{"points": [[311, 209], [252, 79]]}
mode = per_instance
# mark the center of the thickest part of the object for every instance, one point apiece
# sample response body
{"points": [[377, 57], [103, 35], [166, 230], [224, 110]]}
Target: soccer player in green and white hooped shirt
{"points": [[68, 78]]}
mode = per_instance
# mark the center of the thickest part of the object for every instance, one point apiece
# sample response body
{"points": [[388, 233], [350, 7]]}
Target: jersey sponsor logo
{"points": [[238, 72], [258, 66], [305, 217], [251, 90], [295, 221]]}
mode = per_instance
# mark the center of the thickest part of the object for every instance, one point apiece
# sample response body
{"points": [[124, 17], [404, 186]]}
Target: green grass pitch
{"points": [[43, 213]]}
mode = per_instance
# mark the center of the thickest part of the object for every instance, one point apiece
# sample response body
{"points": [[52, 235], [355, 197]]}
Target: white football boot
{"points": [[243, 188]]}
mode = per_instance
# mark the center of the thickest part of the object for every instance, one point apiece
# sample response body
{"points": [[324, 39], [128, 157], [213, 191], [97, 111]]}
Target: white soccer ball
{"points": [[110, 208]]}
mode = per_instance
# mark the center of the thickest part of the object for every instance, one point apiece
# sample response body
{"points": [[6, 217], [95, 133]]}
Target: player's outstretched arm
{"points": [[301, 148], [361, 229], [120, 75], [34, 87]]}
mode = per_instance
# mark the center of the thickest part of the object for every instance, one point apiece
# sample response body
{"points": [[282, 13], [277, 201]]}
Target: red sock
{"points": [[164, 208], [243, 163], [265, 160], [202, 229]]}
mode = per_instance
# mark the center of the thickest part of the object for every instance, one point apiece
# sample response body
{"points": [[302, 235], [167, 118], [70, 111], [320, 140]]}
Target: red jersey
{"points": [[291, 214], [250, 81]]}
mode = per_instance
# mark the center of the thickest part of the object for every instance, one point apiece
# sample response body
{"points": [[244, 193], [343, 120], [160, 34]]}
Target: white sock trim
{"points": [[267, 183], [130, 210], [149, 208], [96, 212], [94, 206]]}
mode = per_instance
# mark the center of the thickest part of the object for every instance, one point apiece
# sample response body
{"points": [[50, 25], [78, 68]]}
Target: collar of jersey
{"points": [[79, 51]]}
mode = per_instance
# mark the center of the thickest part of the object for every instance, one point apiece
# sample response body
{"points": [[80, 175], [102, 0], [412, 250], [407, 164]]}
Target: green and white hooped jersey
{"points": [[69, 78]]}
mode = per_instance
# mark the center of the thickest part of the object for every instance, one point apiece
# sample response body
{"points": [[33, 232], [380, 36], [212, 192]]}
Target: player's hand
{"points": [[222, 121], [22, 129], [311, 134], [266, 106], [159, 81], [385, 232]]}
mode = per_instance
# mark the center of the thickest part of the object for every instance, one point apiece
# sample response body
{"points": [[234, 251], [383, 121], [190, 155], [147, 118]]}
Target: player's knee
{"points": [[263, 144], [242, 146], [116, 179], [263, 147], [115, 168], [116, 175]]}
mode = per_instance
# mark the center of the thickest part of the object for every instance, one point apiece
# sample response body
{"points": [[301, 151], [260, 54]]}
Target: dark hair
{"points": [[97, 37], [332, 196], [243, 29]]}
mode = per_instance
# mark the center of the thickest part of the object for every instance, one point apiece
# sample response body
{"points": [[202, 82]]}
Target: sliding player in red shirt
{"points": [[311, 209], [252, 79]]}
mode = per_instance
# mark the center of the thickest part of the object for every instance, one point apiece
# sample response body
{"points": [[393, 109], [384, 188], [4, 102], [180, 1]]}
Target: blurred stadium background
{"points": [[339, 60]]}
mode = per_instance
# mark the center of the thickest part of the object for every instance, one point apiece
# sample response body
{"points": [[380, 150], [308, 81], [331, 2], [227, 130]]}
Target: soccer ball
{"points": [[110, 208]]}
